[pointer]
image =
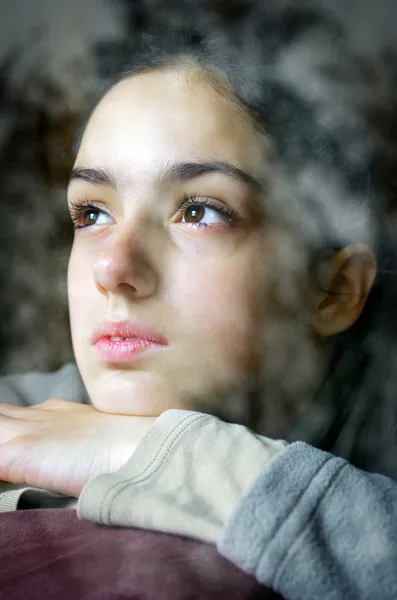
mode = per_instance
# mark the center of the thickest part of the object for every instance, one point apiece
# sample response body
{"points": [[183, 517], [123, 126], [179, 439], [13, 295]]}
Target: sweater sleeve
{"points": [[312, 526], [186, 477]]}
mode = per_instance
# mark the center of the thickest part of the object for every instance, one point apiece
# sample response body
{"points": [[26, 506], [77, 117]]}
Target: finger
{"points": [[13, 459], [21, 412], [57, 404], [11, 428]]}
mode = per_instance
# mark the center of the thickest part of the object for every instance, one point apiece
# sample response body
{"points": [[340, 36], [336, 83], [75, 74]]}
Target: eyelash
{"points": [[78, 207], [195, 199]]}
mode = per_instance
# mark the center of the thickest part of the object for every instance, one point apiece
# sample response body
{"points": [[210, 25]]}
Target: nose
{"points": [[124, 267]]}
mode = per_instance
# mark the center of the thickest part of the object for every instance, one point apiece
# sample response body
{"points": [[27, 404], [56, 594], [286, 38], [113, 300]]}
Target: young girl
{"points": [[217, 269]]}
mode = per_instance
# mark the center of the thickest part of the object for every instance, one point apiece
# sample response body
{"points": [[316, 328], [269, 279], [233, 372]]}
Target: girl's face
{"points": [[169, 250]]}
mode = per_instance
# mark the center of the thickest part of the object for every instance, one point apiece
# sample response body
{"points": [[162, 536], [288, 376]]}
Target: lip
{"points": [[142, 339]]}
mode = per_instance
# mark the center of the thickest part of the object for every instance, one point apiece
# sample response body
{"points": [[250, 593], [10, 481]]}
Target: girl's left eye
{"points": [[204, 212]]}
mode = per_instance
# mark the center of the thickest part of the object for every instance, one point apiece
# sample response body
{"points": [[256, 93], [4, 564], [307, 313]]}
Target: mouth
{"points": [[124, 341]]}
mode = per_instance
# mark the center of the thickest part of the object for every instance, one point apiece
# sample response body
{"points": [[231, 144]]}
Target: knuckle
{"points": [[52, 402]]}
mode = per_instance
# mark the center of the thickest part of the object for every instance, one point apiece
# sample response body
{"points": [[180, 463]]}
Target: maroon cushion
{"points": [[50, 554]]}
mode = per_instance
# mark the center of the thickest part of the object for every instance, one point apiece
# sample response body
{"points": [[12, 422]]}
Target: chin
{"points": [[130, 393]]}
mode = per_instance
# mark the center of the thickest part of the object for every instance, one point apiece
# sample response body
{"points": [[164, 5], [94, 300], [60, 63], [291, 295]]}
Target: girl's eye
{"points": [[204, 212], [87, 215]]}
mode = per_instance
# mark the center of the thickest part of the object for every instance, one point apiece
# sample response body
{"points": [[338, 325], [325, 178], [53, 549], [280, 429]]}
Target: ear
{"points": [[345, 280]]}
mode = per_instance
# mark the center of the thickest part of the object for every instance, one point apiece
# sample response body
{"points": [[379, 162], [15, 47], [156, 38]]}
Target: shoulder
{"points": [[27, 389]]}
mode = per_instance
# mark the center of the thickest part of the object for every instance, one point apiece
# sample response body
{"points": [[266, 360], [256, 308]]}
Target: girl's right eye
{"points": [[87, 215]]}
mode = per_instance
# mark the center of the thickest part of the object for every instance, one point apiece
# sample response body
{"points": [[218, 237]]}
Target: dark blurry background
{"points": [[56, 54]]}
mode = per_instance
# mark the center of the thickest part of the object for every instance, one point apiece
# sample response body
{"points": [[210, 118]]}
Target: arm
{"points": [[185, 477], [305, 523], [312, 526]]}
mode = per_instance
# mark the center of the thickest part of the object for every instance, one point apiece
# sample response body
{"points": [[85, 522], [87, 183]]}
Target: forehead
{"points": [[172, 115]]}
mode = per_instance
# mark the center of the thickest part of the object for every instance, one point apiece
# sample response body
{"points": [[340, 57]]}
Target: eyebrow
{"points": [[96, 176], [176, 173], [180, 172]]}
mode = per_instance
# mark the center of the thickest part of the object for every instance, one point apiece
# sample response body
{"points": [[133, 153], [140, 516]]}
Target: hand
{"points": [[60, 445]]}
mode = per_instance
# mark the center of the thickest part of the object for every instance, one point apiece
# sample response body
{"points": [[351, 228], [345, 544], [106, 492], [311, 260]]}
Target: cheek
{"points": [[219, 307], [220, 300], [79, 285]]}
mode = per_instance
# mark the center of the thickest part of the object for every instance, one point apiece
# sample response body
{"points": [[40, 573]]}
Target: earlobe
{"points": [[345, 281]]}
